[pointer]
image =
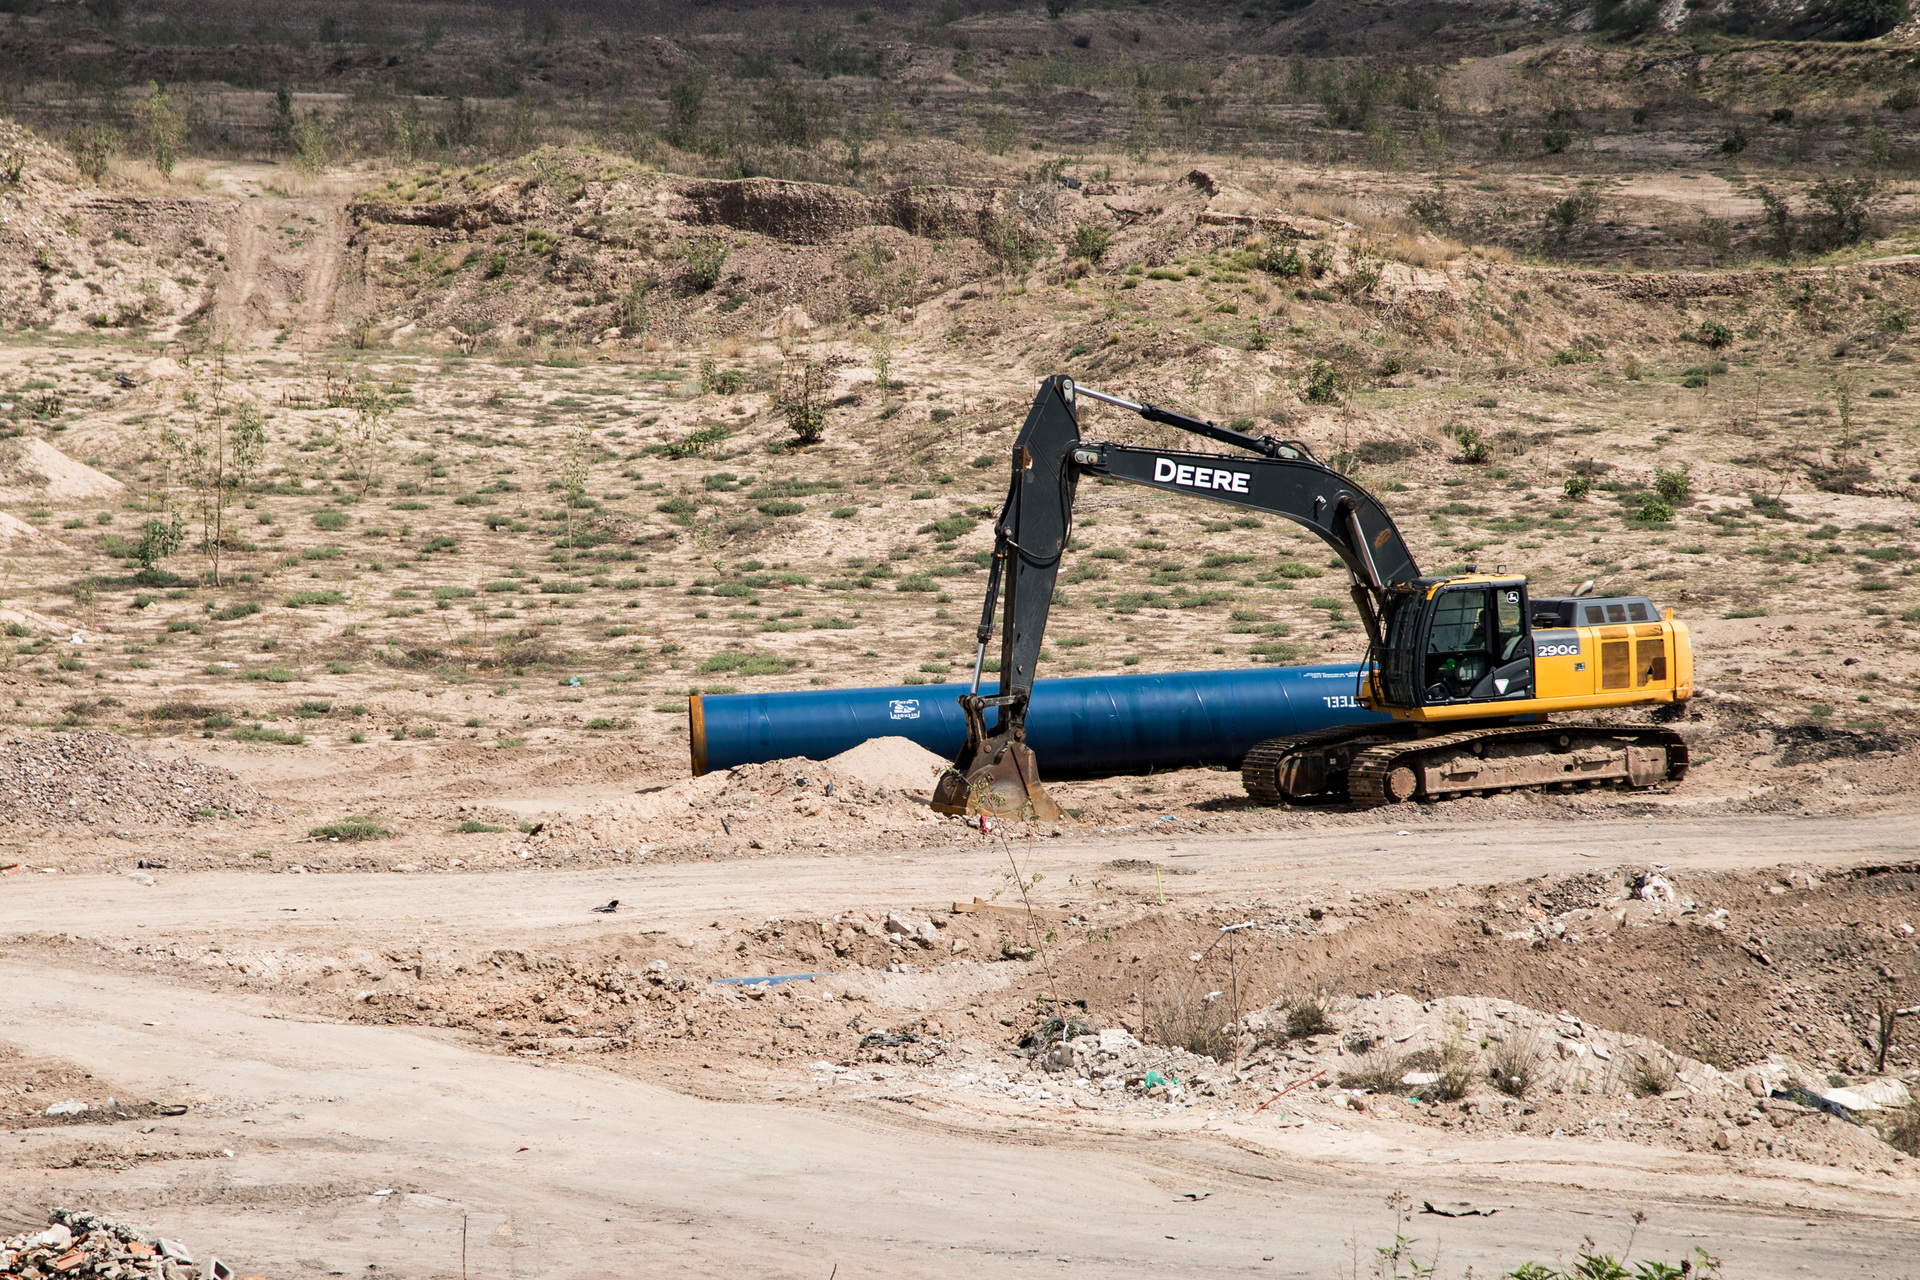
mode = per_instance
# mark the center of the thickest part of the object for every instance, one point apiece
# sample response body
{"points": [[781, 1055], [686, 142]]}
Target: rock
{"points": [[55, 1237], [1723, 1140], [1755, 1085], [71, 1107], [174, 1251], [926, 933]]}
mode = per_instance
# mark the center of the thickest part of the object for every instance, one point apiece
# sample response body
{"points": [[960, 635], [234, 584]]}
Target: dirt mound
{"points": [[768, 806], [890, 764], [812, 212], [73, 779], [31, 469], [12, 527]]}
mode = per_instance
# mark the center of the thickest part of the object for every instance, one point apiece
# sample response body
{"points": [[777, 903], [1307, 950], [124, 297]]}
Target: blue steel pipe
{"points": [[1087, 725]]}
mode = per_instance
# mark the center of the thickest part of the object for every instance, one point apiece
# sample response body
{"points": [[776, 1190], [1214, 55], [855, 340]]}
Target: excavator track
{"points": [[1515, 758], [1264, 770]]}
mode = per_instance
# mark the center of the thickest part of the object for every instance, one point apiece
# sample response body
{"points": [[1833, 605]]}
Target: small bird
{"points": [[612, 906]]}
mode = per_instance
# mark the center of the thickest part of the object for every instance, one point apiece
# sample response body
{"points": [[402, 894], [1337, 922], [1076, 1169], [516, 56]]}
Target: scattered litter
{"points": [[771, 980], [1458, 1209], [612, 906], [71, 1107], [1195, 1195], [1814, 1102], [1653, 888], [387, 1192]]}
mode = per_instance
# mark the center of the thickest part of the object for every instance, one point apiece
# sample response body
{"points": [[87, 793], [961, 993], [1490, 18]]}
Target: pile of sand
{"points": [[31, 470], [891, 764], [878, 788]]}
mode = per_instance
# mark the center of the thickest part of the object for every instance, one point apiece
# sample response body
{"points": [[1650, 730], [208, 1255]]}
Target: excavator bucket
{"points": [[995, 775], [1002, 785]]}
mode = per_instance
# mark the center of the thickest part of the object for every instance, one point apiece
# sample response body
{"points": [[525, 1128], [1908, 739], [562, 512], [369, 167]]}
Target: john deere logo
{"points": [[1167, 471]]}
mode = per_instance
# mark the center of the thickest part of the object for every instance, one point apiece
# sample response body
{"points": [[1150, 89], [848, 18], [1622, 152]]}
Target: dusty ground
{"points": [[347, 1034], [417, 625]]}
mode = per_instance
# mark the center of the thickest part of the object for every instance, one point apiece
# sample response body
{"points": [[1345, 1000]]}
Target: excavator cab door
{"points": [[1478, 645]]}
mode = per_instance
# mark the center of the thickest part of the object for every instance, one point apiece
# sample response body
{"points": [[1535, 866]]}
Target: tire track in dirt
{"points": [[322, 280], [267, 286]]}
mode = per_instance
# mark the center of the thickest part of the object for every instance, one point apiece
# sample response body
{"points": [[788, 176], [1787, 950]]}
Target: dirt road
{"points": [[584, 1170], [512, 908], [579, 1172]]}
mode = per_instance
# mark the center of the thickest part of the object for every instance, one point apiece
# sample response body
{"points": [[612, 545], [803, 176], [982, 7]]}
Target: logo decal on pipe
{"points": [[904, 709], [1167, 471]]}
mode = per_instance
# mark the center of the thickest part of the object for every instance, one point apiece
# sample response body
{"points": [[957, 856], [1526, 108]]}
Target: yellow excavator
{"points": [[1471, 667]]}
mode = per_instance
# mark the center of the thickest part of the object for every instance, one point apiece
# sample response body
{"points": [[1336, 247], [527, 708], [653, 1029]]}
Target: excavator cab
{"points": [[1455, 643]]}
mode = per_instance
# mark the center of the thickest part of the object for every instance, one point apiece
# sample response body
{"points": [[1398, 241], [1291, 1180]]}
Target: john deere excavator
{"points": [[1472, 668]]}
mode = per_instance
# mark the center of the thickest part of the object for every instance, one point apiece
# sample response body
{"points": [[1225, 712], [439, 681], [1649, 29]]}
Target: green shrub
{"points": [[780, 507], [472, 828], [301, 598], [1473, 449], [1090, 240], [563, 588], [1323, 384], [350, 829], [1578, 486], [704, 256], [273, 675], [234, 612], [256, 733], [1674, 486], [1654, 511], [330, 520], [746, 664]]}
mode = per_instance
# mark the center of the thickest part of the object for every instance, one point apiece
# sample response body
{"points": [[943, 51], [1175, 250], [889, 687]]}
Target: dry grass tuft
{"points": [[1515, 1066], [1902, 1132], [1179, 1015], [1651, 1073]]}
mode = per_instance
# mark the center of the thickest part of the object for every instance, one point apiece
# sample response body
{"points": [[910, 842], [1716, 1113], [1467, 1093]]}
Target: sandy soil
{"points": [[1566, 1008], [714, 1137]]}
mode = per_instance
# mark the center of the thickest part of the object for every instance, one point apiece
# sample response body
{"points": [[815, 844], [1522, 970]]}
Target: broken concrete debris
{"points": [[78, 1243], [94, 778]]}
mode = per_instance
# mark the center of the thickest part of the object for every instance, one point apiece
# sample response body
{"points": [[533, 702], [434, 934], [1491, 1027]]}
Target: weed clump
{"points": [[1515, 1066], [1179, 1015], [1650, 1074], [351, 829]]}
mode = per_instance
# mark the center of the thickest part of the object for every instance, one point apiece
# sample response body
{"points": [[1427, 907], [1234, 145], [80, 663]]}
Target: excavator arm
{"points": [[1036, 524]]}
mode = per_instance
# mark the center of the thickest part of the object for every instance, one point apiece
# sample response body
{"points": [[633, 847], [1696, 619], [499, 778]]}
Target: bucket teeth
{"points": [[1001, 783]]}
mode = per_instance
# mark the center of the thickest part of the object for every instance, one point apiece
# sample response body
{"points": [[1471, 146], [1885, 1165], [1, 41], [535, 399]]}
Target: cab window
{"points": [[1511, 631], [1457, 644]]}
